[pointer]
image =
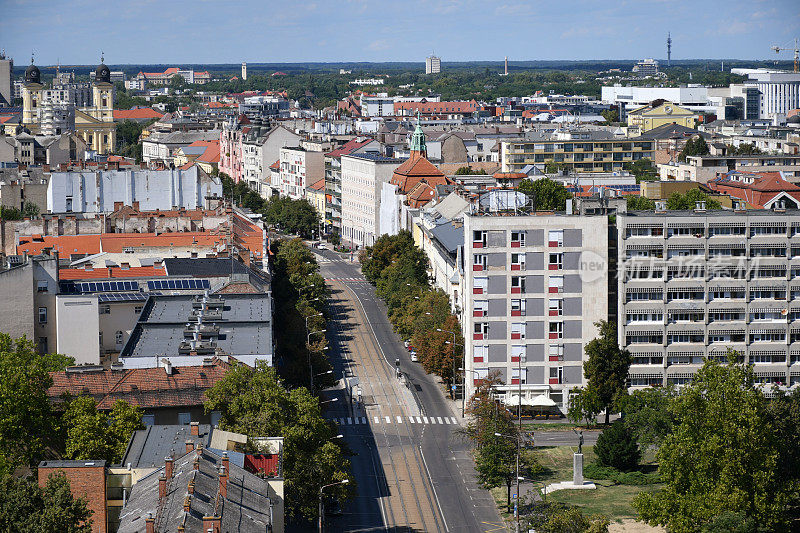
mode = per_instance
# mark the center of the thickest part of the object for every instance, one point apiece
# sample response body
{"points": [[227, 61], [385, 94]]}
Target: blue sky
{"points": [[206, 31]]}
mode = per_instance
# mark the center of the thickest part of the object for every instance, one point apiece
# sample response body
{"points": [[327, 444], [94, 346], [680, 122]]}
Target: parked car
{"points": [[414, 357]]}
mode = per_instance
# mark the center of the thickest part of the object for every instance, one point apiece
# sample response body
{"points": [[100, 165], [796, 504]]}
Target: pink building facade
{"points": [[231, 159]]}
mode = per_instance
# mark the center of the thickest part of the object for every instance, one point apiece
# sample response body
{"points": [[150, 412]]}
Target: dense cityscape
{"points": [[433, 294]]}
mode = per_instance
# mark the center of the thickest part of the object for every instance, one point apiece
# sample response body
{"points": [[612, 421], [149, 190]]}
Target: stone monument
{"points": [[577, 471]]}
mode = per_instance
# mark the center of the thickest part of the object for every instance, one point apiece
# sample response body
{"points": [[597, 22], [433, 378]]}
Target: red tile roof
{"points": [[276, 165], [149, 388], [756, 188], [318, 185], [415, 169], [349, 147], [141, 113], [211, 155], [437, 108]]}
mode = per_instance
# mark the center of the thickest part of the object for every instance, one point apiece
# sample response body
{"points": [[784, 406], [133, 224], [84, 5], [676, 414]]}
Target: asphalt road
{"points": [[413, 468]]}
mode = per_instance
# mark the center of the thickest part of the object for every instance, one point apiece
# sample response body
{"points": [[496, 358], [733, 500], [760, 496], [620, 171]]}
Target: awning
{"points": [[542, 401]]}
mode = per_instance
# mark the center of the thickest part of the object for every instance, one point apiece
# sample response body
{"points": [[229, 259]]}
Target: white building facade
{"points": [[363, 176], [299, 169]]}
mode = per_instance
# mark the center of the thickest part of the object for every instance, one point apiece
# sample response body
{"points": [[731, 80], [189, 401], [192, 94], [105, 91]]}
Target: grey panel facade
{"points": [[497, 285], [572, 283], [534, 307], [534, 330], [573, 237], [573, 351], [572, 260], [534, 352], [497, 331], [572, 329], [534, 237], [534, 260], [534, 283], [496, 238], [497, 353], [496, 260], [536, 374], [573, 306], [498, 307], [573, 374]]}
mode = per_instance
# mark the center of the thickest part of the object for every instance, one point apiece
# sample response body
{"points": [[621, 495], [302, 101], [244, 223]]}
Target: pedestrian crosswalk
{"points": [[363, 420], [344, 279]]}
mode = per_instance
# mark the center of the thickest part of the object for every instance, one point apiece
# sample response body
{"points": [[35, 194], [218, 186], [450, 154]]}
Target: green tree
{"points": [[616, 447], [694, 146], [647, 414], [744, 149], [30, 210], [643, 169], [27, 423], [611, 115], [688, 201], [27, 508], [10, 213], [640, 203], [606, 368], [554, 517], [93, 434], [721, 457], [467, 170], [547, 194], [255, 402]]}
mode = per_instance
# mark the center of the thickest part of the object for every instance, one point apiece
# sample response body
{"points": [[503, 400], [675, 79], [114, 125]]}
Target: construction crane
{"points": [[796, 50]]}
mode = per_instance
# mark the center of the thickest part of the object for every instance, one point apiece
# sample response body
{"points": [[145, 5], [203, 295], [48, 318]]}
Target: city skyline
{"points": [[356, 31]]}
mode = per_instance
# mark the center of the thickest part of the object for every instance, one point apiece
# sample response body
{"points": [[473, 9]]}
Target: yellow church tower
{"points": [[31, 96], [95, 124]]}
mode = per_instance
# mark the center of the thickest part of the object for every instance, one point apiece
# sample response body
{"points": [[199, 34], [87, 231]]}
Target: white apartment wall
{"points": [[362, 181], [390, 208], [96, 192], [78, 330], [121, 318], [585, 300]]}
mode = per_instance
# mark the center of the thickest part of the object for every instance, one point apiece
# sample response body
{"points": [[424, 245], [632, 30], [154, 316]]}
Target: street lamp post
{"points": [[516, 503], [308, 344], [464, 395], [321, 524]]}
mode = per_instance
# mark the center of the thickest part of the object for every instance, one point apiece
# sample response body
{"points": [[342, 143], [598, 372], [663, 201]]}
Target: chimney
{"points": [[169, 462], [150, 524], [226, 464], [189, 446], [187, 503], [162, 487], [212, 524], [196, 464], [223, 482], [190, 489], [194, 429]]}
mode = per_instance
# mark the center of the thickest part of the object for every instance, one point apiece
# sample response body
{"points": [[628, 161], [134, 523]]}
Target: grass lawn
{"points": [[613, 501]]}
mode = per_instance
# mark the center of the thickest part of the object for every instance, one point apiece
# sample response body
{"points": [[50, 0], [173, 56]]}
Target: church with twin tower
{"points": [[93, 123]]}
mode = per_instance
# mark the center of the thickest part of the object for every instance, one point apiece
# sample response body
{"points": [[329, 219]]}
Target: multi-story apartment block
{"points": [[694, 284], [362, 178], [580, 151], [433, 65], [333, 177], [533, 288], [299, 169]]}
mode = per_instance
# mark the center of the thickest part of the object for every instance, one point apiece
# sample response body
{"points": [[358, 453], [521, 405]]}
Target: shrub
{"points": [[617, 447], [596, 471]]}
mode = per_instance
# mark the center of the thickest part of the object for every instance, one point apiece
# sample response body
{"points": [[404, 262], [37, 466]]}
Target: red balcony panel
{"points": [[516, 313], [554, 312], [477, 336], [477, 290], [515, 381], [553, 267], [478, 359], [553, 381], [515, 266], [516, 290], [477, 244], [552, 244], [552, 290], [554, 358], [516, 336], [477, 268], [553, 336], [477, 312], [514, 359], [516, 244]]}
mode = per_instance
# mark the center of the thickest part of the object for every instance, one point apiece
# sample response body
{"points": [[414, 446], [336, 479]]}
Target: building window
{"points": [[480, 353], [137, 309], [556, 330], [480, 284], [517, 261], [517, 284], [100, 336], [480, 331], [478, 262], [42, 345], [556, 262], [42, 315], [184, 419], [555, 352], [517, 239], [41, 286], [517, 330], [118, 337], [481, 308], [555, 238], [518, 353], [556, 284], [479, 239], [556, 307], [517, 307], [105, 310], [557, 375]]}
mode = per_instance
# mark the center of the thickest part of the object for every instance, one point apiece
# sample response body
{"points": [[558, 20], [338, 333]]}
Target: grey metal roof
{"points": [[72, 464], [204, 267], [450, 236], [148, 447], [246, 508]]}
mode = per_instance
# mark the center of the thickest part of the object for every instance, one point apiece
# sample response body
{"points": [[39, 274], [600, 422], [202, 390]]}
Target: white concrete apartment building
{"points": [[693, 284], [363, 176], [533, 288], [260, 149], [299, 169]]}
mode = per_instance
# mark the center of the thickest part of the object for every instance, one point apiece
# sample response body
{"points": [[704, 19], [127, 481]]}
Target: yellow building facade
{"points": [[648, 117], [94, 124]]}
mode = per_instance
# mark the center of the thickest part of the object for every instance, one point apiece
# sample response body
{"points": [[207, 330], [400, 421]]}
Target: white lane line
{"points": [[399, 419], [439, 418], [454, 420], [377, 420], [425, 418], [357, 420], [349, 420], [388, 420], [411, 419], [363, 419], [419, 420]]}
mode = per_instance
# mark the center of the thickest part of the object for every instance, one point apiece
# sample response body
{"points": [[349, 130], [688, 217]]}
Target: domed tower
{"points": [[102, 136], [31, 94], [418, 148]]}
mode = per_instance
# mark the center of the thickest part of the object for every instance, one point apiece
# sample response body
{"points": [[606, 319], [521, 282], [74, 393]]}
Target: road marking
{"points": [[454, 420], [377, 420], [349, 420], [363, 419], [411, 419], [419, 420], [357, 420], [399, 420], [425, 418], [388, 420], [439, 418]]}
